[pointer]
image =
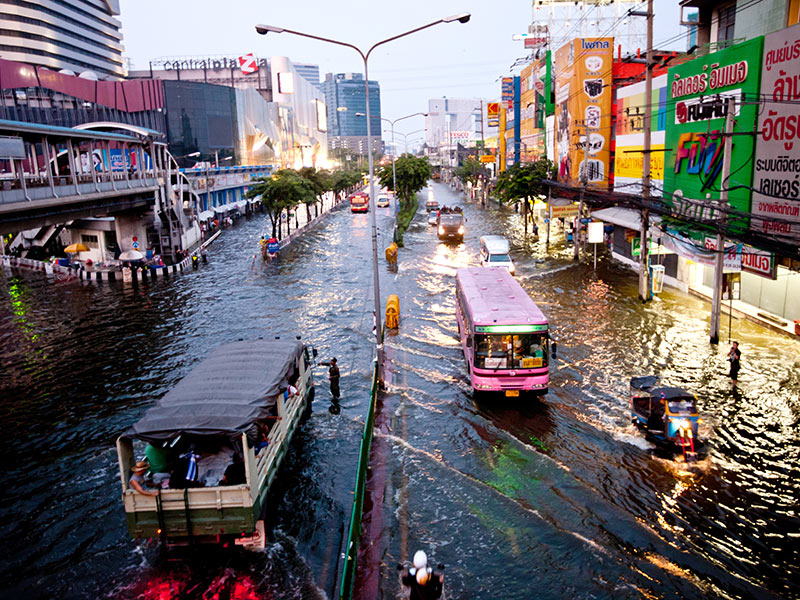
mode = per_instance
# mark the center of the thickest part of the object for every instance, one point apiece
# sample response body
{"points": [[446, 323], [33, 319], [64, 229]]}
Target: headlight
{"points": [[441, 230], [511, 269], [683, 424], [460, 230]]}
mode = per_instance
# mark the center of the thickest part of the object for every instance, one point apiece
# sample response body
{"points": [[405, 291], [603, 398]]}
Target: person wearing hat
{"points": [[137, 478], [333, 376], [422, 582]]}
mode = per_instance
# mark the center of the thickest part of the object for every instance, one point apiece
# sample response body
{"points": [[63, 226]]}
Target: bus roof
{"points": [[497, 303]]}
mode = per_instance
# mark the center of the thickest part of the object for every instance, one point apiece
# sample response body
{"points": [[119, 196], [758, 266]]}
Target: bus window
{"points": [[526, 351]]}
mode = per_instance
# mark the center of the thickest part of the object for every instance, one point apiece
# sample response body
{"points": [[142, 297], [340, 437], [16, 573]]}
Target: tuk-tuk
{"points": [[668, 415]]}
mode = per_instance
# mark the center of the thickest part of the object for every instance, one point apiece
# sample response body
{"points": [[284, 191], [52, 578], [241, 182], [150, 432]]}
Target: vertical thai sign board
{"points": [[583, 110], [699, 91], [776, 176]]}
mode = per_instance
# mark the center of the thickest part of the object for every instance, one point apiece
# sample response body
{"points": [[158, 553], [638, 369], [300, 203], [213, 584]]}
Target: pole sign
{"points": [[507, 91], [776, 178], [699, 91], [568, 210]]}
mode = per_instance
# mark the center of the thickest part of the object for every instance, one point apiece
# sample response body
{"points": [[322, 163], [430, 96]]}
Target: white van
{"points": [[494, 252]]}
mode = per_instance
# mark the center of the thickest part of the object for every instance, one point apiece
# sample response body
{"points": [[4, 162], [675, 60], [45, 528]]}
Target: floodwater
{"points": [[555, 498]]}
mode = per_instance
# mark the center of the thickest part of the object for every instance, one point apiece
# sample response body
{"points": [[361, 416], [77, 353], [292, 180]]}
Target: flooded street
{"points": [[559, 498]]}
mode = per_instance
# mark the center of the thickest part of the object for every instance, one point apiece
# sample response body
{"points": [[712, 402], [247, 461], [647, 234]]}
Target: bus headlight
{"points": [[460, 230], [441, 230]]}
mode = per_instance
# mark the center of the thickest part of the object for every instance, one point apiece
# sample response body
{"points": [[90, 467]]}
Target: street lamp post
{"points": [[264, 30]]}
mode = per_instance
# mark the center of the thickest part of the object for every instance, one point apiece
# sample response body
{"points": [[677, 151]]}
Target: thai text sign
{"points": [[698, 90], [568, 210], [776, 177]]}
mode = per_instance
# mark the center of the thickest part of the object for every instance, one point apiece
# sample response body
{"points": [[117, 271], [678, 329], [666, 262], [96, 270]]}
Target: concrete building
{"points": [[309, 72], [717, 24], [346, 97], [452, 122], [80, 36]]}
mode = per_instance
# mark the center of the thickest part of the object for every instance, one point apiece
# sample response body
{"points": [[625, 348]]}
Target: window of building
{"points": [[726, 21], [90, 241]]}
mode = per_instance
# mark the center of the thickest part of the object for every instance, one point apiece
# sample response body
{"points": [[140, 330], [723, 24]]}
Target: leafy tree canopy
{"points": [[524, 180], [412, 173]]}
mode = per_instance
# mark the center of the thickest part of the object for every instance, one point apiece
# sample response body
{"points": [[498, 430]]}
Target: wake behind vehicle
{"points": [[451, 226], [494, 252], [224, 430], [668, 415], [359, 203], [504, 335]]}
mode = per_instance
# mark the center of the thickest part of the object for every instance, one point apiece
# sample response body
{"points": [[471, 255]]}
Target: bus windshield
{"points": [[508, 351]]}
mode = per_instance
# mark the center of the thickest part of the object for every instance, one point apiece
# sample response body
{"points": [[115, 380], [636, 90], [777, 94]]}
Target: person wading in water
{"points": [[333, 376]]}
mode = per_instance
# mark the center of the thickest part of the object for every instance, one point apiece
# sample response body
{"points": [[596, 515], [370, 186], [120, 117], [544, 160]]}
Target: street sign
{"points": [[568, 210], [546, 221], [585, 220], [135, 245]]}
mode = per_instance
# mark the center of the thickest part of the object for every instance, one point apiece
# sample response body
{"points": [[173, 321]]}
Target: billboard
{"points": [[776, 187], [583, 110], [629, 129], [698, 93]]}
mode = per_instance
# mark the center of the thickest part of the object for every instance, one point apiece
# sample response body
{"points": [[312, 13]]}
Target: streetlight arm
{"points": [[395, 37], [265, 29]]}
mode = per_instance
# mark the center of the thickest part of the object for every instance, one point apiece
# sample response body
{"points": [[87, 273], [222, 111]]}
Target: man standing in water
{"points": [[733, 357], [333, 376]]}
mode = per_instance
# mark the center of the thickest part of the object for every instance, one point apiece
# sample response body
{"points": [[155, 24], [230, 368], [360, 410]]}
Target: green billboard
{"points": [[698, 93]]}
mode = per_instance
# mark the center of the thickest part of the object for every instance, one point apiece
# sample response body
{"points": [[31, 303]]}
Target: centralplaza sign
{"points": [[214, 63]]}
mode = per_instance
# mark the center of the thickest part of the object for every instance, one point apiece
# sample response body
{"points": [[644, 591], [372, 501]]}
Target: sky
{"points": [[450, 59]]}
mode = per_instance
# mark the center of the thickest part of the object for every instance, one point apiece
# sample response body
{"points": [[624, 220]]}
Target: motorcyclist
{"points": [[421, 581]]}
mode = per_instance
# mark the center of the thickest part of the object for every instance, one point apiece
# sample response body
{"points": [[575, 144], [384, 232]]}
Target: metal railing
{"points": [[349, 569]]}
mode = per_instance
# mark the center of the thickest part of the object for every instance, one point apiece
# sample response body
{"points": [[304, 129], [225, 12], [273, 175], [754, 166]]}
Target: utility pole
{"points": [[584, 175], [716, 298], [644, 270]]}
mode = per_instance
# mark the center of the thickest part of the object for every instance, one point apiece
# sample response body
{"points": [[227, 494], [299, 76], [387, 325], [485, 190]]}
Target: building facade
{"points": [[79, 36], [346, 98], [452, 122]]}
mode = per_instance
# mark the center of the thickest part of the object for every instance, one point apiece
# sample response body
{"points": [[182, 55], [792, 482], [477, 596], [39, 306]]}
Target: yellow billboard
{"points": [[583, 110]]}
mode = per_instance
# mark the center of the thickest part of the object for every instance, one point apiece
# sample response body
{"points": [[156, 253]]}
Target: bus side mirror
{"points": [[469, 342], [554, 350]]}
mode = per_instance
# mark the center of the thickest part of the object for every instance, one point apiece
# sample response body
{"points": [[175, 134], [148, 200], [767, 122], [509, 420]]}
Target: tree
{"points": [[284, 190], [344, 181], [321, 181], [523, 181], [472, 170], [412, 173]]}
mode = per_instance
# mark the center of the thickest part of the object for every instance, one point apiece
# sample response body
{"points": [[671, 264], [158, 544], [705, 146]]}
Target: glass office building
{"points": [[346, 97]]}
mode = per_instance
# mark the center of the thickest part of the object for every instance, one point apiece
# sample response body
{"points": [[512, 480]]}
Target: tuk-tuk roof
{"points": [[224, 394], [645, 383], [671, 393]]}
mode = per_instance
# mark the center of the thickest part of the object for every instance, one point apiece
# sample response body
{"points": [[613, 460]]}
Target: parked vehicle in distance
{"points": [[431, 205], [433, 218], [221, 434], [504, 335], [359, 203], [382, 201], [494, 252], [451, 226]]}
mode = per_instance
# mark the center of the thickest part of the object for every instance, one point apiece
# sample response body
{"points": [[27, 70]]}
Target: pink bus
{"points": [[504, 335]]}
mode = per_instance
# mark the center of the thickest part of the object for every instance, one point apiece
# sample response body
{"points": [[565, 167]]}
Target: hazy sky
{"points": [[450, 59]]}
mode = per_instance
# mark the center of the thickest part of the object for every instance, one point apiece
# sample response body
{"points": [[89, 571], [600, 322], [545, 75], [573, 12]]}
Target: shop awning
{"points": [[624, 217], [206, 215]]}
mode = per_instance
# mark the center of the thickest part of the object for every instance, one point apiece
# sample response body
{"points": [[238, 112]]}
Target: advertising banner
{"points": [[628, 156], [493, 110], [507, 91], [697, 97], [584, 126], [776, 176]]}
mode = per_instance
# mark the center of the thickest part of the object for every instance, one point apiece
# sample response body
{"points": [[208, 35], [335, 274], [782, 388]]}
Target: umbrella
{"points": [[75, 248], [131, 255]]}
